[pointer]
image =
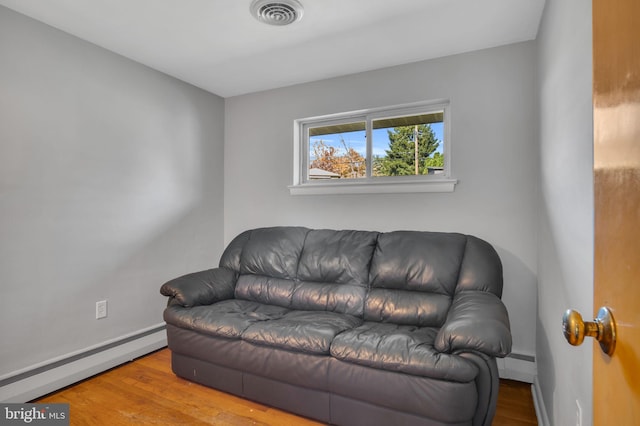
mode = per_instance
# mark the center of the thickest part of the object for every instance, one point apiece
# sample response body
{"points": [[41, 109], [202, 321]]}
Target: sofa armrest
{"points": [[477, 321], [201, 288]]}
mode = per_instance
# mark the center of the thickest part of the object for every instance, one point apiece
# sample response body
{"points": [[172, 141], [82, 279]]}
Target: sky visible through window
{"points": [[357, 140]]}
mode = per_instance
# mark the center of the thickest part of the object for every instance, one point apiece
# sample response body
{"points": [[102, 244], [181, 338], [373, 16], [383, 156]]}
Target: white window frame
{"points": [[370, 184]]}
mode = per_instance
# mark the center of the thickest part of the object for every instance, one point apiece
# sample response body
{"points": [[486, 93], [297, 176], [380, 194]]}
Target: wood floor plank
{"points": [[515, 405], [146, 392]]}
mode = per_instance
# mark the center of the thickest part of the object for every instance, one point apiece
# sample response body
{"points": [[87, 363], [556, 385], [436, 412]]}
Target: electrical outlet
{"points": [[578, 413], [101, 309]]}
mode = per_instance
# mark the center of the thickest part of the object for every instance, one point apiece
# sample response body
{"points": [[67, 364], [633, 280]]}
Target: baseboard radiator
{"points": [[518, 367], [38, 380]]}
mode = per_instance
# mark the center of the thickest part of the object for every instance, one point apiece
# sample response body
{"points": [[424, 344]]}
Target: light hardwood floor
{"points": [[146, 392]]}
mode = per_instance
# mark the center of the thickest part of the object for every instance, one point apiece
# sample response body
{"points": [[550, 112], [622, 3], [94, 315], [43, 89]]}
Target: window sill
{"points": [[318, 188]]}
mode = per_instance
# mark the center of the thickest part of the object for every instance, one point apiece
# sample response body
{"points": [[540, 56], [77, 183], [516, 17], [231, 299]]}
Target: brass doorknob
{"points": [[603, 329]]}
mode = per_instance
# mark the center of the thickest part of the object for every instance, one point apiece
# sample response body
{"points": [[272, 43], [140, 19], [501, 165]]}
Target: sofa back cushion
{"points": [[403, 277], [304, 269], [341, 257], [414, 277], [273, 252]]}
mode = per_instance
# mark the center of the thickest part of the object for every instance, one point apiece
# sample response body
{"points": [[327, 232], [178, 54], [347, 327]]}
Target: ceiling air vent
{"points": [[277, 12]]}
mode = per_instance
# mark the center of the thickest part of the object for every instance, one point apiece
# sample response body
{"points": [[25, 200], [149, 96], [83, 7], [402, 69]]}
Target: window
{"points": [[397, 149]]}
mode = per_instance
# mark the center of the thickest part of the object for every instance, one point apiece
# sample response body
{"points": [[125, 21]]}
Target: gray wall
{"points": [[110, 183], [565, 268], [494, 137]]}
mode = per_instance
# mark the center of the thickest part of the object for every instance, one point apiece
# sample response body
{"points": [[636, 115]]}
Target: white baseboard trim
{"points": [[538, 403], [98, 359], [517, 367]]}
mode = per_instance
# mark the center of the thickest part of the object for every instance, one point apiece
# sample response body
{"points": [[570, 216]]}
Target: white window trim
{"points": [[371, 185]]}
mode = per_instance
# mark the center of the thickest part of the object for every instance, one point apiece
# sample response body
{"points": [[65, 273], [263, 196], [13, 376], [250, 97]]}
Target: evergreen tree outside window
{"points": [[412, 149]]}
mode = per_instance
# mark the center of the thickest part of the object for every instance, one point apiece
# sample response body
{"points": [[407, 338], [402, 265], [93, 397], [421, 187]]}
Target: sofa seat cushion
{"points": [[401, 348], [302, 331], [229, 318]]}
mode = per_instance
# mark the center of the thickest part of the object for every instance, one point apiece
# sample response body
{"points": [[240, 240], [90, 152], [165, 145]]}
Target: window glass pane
{"points": [[337, 151], [394, 148]]}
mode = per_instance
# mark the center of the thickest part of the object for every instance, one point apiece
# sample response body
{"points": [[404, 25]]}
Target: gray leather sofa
{"points": [[347, 327]]}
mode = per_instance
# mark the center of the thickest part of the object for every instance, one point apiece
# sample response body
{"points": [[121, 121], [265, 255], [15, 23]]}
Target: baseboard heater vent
{"points": [[515, 366], [47, 377]]}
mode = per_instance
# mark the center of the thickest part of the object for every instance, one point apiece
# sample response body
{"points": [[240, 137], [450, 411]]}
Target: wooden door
{"points": [[616, 109]]}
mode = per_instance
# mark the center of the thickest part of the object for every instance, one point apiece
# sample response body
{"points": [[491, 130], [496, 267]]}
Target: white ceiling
{"points": [[218, 46]]}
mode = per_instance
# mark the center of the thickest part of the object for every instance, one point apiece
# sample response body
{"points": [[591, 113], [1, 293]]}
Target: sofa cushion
{"points": [[228, 318], [413, 277], [334, 271], [401, 348], [264, 289], [342, 298], [302, 331], [320, 270], [340, 257], [418, 261], [306, 296], [407, 307], [273, 252]]}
